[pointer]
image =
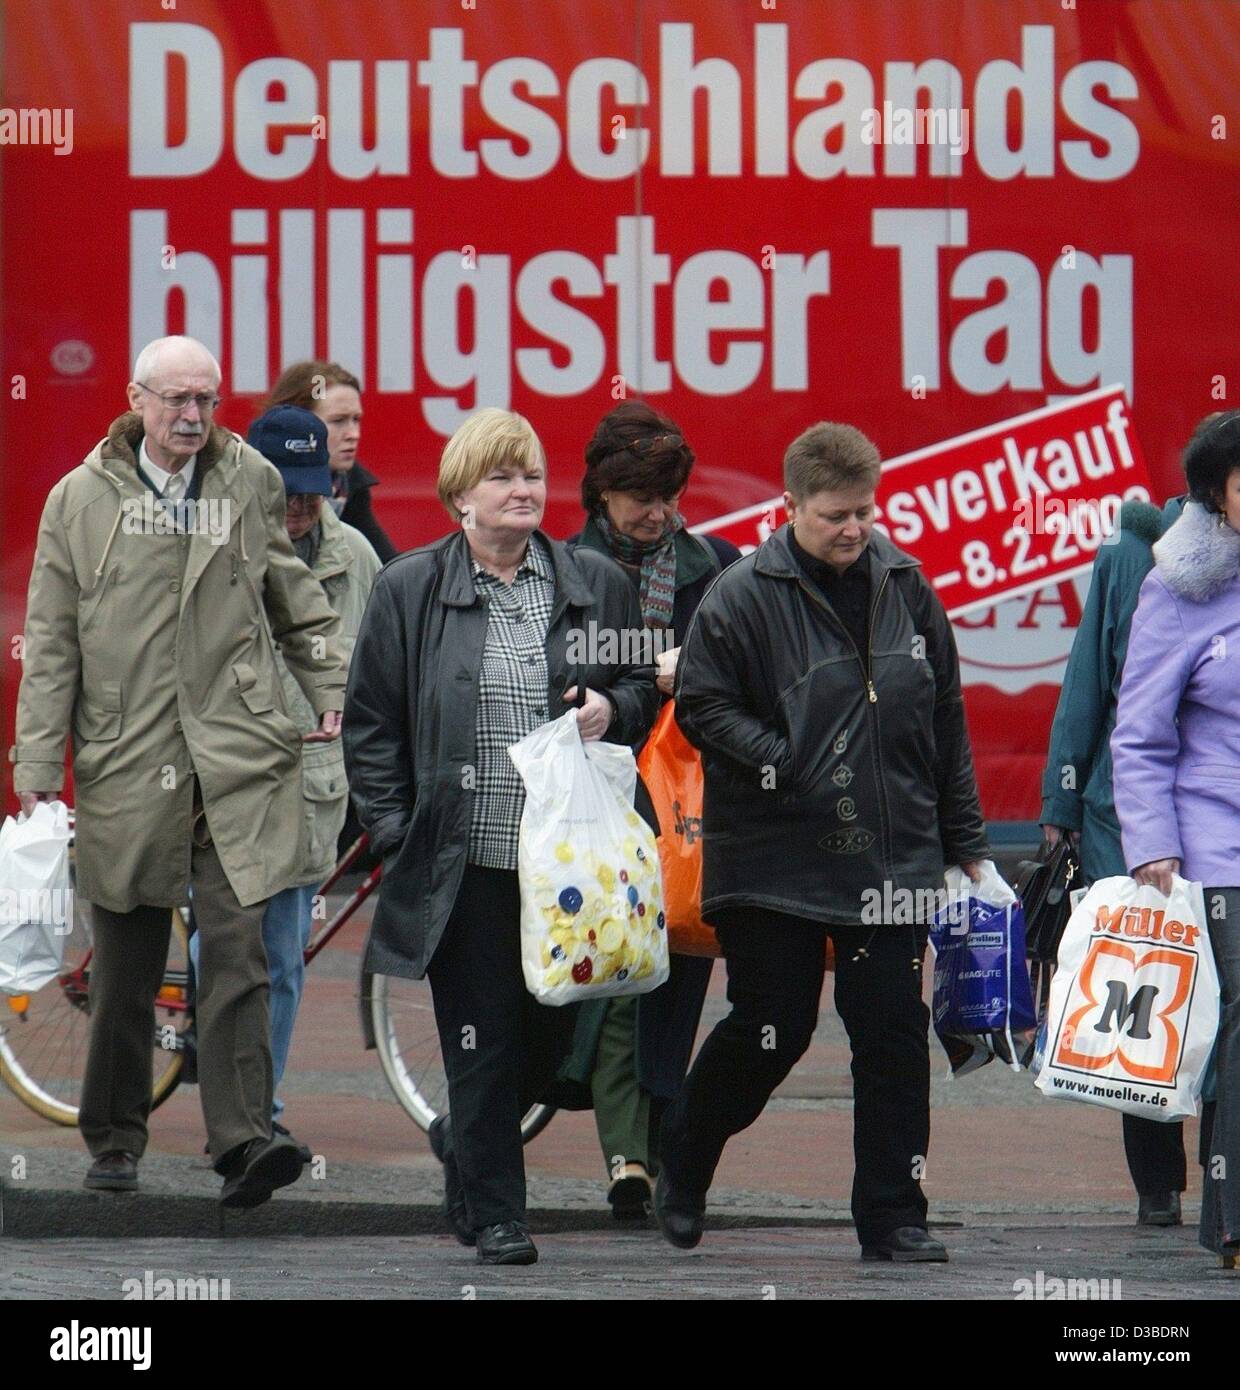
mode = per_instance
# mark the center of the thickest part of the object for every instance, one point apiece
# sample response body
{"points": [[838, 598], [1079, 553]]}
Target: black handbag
{"points": [[1044, 886]]}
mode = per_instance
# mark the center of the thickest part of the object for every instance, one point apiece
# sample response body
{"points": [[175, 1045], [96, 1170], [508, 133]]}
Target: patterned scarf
{"points": [[657, 560], [307, 547]]}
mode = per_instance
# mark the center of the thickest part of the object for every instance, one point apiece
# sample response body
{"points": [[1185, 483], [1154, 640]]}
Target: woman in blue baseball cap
{"points": [[334, 395]]}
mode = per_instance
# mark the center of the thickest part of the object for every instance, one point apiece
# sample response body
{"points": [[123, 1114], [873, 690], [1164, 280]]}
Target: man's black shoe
{"points": [[116, 1171], [680, 1219], [302, 1149], [1162, 1209], [454, 1208], [907, 1244], [506, 1243], [253, 1171]]}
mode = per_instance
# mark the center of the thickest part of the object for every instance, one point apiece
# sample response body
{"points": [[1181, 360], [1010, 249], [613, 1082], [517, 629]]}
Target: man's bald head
{"points": [[171, 355], [174, 386]]}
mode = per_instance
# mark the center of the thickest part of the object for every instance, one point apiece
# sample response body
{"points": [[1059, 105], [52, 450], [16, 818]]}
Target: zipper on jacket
{"points": [[878, 741], [869, 640], [866, 665]]}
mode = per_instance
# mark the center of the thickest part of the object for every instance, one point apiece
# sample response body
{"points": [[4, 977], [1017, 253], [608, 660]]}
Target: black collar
{"points": [[824, 575]]}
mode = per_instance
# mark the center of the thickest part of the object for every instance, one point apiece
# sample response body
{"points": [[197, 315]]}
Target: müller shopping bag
{"points": [[36, 903], [592, 919], [1134, 1003]]}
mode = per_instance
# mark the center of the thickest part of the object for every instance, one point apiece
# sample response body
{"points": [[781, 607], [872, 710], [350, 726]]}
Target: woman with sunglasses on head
{"points": [[630, 1055]]}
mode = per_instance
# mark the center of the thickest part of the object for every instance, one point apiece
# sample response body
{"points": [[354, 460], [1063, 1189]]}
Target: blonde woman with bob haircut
{"points": [[462, 652]]}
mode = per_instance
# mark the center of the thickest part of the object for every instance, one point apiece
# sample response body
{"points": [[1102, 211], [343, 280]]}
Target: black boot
{"points": [[506, 1243], [680, 1216], [906, 1244], [1159, 1209]]}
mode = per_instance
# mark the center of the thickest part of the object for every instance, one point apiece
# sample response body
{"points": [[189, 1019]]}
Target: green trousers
{"points": [[621, 1107]]}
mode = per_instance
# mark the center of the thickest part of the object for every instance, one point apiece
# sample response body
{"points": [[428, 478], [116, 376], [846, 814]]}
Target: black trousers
{"points": [[775, 972], [501, 1048], [1155, 1153]]}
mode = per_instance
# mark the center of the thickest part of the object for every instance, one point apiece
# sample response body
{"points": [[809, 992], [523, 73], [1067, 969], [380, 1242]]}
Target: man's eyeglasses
{"points": [[178, 400], [303, 502]]}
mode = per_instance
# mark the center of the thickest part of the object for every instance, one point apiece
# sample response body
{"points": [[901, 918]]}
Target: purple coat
{"points": [[1176, 744]]}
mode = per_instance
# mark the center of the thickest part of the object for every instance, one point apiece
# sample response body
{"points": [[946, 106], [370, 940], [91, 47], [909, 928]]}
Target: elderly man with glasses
{"points": [[153, 646]]}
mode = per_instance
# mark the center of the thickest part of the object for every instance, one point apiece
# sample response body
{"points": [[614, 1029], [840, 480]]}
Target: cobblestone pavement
{"points": [[987, 1262]]}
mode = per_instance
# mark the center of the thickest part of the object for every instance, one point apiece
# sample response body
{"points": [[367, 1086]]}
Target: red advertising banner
{"points": [[917, 218], [1002, 511]]}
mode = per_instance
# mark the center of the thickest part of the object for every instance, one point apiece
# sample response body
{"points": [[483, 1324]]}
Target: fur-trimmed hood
{"points": [[1198, 555]]}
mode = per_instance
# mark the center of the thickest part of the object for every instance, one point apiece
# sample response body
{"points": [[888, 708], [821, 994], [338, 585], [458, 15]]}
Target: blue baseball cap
{"points": [[295, 440]]}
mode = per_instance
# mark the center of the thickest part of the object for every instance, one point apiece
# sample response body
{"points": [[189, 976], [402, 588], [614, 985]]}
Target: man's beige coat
{"points": [[157, 652]]}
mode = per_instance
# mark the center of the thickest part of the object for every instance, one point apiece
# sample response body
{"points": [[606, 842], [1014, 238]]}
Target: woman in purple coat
{"points": [[1176, 750]]}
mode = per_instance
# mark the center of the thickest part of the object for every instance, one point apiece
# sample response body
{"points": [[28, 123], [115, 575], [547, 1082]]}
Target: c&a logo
{"points": [[1128, 1002]]}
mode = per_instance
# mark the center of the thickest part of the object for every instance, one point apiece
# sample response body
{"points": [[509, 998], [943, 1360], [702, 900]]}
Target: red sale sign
{"points": [[1002, 511]]}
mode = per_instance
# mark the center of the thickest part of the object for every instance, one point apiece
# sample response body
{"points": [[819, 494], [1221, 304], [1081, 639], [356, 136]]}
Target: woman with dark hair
{"points": [[632, 1053], [335, 396], [1176, 755]]}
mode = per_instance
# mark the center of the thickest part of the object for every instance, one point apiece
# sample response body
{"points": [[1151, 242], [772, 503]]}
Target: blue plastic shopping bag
{"points": [[982, 995]]}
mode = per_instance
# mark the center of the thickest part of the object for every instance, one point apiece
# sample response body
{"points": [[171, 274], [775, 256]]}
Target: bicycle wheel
{"points": [[403, 1019], [44, 1035]]}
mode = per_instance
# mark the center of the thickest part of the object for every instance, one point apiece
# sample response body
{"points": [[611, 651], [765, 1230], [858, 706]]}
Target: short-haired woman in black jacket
{"points": [[820, 680], [463, 651]]}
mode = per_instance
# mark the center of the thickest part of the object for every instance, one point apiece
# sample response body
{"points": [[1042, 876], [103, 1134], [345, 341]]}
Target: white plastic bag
{"points": [[36, 903], [592, 921], [1134, 1004]]}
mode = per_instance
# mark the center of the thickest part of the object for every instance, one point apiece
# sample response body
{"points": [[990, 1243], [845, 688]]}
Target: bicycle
{"points": [[43, 1036]]}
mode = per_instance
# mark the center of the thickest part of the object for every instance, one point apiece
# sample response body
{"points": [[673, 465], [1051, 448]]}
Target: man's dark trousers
{"points": [[775, 971], [232, 1014], [501, 1048]]}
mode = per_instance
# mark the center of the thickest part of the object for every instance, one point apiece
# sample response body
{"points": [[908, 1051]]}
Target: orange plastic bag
{"points": [[671, 768]]}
